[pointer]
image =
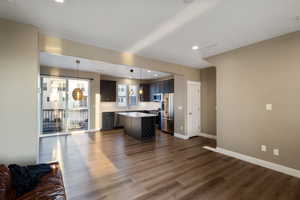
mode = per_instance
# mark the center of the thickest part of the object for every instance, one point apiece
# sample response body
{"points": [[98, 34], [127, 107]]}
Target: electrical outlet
{"points": [[276, 152], [263, 148], [269, 107]]}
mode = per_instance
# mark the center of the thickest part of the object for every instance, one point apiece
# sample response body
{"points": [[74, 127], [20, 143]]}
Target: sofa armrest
{"points": [[6, 191], [51, 186]]}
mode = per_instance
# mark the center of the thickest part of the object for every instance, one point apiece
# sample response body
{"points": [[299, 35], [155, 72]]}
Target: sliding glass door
{"points": [[60, 112], [78, 111]]}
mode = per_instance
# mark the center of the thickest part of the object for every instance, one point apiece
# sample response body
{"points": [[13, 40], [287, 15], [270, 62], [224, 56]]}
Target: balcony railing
{"points": [[55, 120]]}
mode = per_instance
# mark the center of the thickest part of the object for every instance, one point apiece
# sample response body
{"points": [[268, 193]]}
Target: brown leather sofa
{"points": [[51, 186]]}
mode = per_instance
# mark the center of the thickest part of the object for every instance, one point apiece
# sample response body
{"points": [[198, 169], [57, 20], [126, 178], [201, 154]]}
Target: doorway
{"points": [[193, 108], [60, 113]]}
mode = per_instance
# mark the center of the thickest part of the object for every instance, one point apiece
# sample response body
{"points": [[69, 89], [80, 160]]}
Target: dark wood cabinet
{"points": [[154, 88], [108, 120], [140, 128], [166, 86], [172, 90], [108, 90], [160, 86], [146, 92]]}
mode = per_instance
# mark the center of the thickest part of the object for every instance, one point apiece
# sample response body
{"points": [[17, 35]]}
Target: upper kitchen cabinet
{"points": [[154, 88], [168, 86], [160, 86], [108, 90], [146, 92]]}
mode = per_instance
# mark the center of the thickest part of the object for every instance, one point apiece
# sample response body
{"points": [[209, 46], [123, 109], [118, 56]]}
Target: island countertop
{"points": [[136, 114]]}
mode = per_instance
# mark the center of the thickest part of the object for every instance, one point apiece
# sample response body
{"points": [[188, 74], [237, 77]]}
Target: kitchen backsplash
{"points": [[112, 106]]}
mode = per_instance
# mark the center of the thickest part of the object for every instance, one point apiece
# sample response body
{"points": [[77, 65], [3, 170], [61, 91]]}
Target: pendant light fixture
{"points": [[77, 92], [131, 77], [140, 88]]}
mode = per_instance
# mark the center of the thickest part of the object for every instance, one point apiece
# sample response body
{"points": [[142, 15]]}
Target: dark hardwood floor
{"points": [[112, 165]]}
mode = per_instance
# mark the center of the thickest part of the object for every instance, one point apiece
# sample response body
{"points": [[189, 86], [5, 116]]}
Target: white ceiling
{"points": [[160, 29], [69, 62]]}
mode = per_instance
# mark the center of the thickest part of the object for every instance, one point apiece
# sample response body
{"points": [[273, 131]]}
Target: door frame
{"points": [[197, 83]]}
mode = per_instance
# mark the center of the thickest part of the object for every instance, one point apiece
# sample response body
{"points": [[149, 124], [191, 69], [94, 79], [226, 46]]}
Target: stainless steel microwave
{"points": [[156, 97]]}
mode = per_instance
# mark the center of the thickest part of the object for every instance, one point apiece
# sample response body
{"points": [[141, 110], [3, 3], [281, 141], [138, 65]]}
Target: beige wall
{"points": [[121, 80], [247, 80], [71, 48], [19, 69], [94, 87], [208, 100], [180, 104], [133, 81]]}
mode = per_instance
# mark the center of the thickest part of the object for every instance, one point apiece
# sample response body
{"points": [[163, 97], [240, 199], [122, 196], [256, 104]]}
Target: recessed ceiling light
{"points": [[195, 47], [155, 75], [149, 71], [59, 1]]}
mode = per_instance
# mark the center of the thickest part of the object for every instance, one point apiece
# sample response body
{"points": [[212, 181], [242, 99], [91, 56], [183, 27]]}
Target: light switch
{"points": [[180, 108], [269, 107], [263, 148], [276, 152]]}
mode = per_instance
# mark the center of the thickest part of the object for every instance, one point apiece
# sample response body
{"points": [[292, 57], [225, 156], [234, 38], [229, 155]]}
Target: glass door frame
{"points": [[88, 100], [67, 132]]}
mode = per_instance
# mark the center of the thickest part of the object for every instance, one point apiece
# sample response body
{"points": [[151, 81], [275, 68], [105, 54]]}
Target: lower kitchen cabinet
{"points": [[108, 120]]}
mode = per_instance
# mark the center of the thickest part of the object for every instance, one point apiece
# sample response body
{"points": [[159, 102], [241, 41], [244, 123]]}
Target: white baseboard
{"points": [[54, 134], [256, 161], [93, 130], [210, 149], [206, 135], [185, 137]]}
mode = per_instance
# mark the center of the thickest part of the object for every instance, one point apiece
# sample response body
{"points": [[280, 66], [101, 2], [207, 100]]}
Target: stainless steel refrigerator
{"points": [[167, 113]]}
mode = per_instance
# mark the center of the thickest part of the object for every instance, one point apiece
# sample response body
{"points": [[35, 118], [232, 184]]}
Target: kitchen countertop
{"points": [[120, 111], [136, 114]]}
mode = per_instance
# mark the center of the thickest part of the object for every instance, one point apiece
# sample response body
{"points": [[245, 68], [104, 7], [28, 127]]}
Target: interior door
{"points": [[193, 115]]}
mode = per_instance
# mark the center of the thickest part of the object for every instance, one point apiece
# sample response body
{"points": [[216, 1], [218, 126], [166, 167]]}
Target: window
{"points": [[127, 95], [122, 95], [132, 95]]}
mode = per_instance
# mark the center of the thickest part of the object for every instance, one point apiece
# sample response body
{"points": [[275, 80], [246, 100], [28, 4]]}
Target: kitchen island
{"points": [[141, 126]]}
